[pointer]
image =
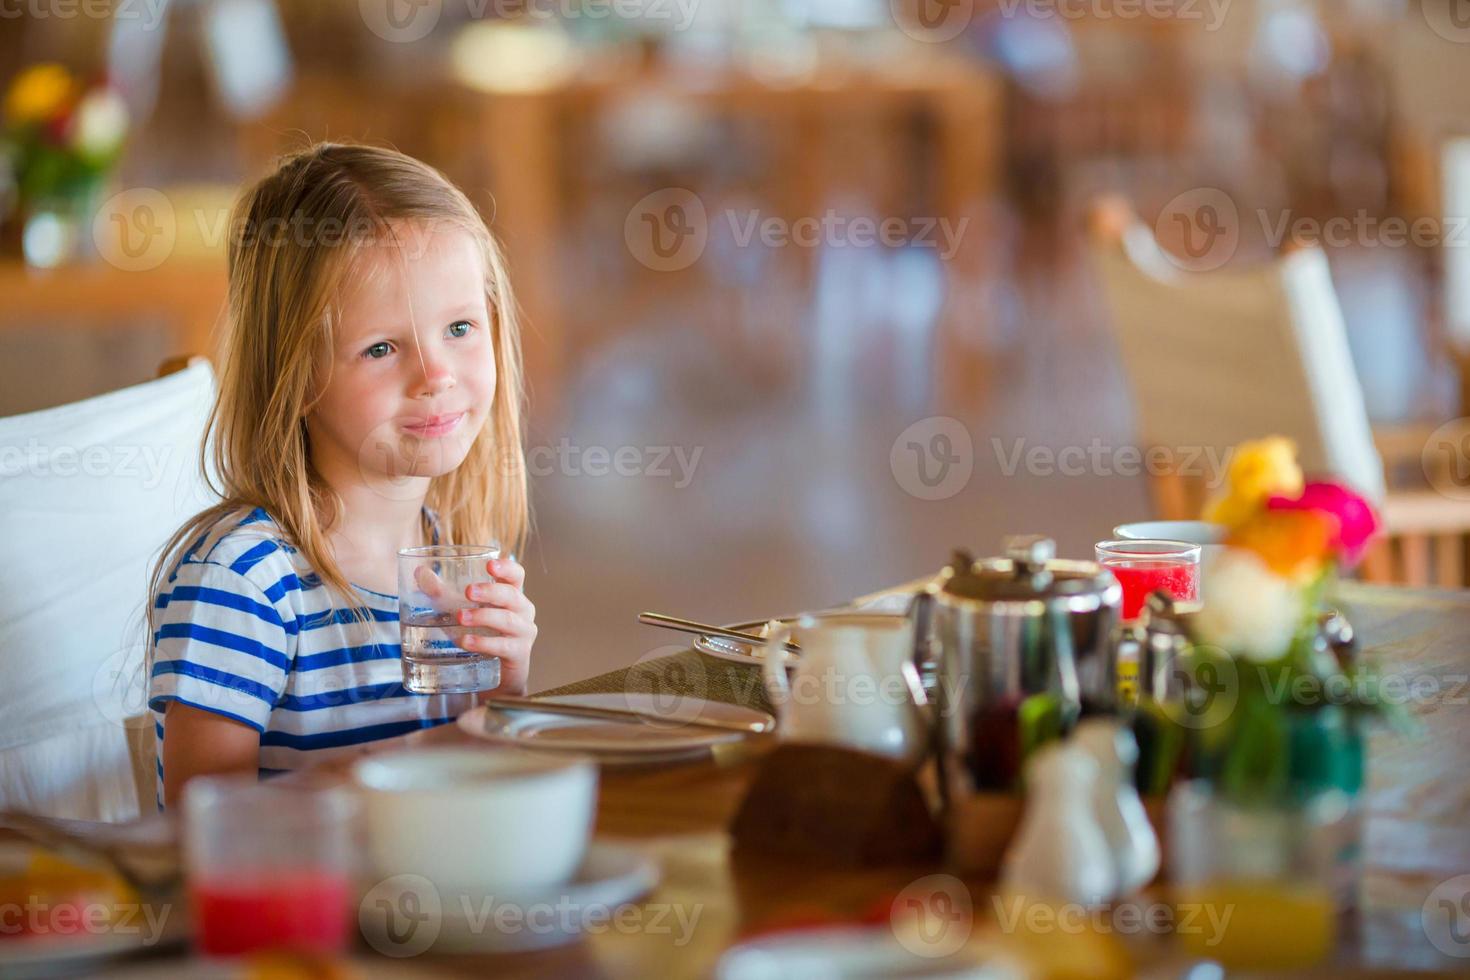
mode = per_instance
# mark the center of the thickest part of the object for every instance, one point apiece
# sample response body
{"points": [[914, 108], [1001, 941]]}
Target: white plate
{"points": [[613, 741], [44, 956], [247, 968], [611, 875], [843, 952]]}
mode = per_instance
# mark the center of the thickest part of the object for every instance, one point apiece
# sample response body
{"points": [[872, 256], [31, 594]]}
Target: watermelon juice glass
{"points": [[1144, 566], [269, 866]]}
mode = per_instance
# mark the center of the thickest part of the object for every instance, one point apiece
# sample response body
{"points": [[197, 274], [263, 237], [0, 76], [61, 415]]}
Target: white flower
{"points": [[101, 123], [1248, 610]]}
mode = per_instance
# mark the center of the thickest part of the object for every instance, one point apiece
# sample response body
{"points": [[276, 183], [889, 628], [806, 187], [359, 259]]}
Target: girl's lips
{"points": [[434, 426]]}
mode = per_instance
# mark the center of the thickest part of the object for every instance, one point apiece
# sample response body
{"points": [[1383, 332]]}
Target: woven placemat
{"points": [[688, 674]]}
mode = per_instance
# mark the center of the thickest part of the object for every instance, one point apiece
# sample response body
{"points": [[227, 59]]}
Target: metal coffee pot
{"points": [[1003, 629]]}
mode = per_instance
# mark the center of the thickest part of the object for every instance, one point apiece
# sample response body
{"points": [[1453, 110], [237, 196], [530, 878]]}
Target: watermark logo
{"points": [[1446, 917], [1021, 914], [149, 12], [401, 916], [565, 458], [1363, 229], [401, 21], [394, 466], [1204, 688], [933, 917], [1211, 13], [933, 459], [669, 689], [1446, 459], [1450, 19], [135, 230], [1098, 458], [1204, 225], [45, 921], [145, 465], [120, 690], [932, 21], [667, 230]]}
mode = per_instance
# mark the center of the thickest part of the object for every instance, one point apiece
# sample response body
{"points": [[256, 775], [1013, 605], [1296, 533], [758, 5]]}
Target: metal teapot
{"points": [[1003, 629]]}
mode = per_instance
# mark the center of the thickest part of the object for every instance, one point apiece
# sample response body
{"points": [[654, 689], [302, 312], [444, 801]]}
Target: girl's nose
{"points": [[435, 376]]}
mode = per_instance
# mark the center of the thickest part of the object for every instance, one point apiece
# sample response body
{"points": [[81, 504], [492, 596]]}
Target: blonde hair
{"points": [[295, 236]]}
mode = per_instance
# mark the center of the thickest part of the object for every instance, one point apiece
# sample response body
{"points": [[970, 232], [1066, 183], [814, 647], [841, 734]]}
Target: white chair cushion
{"points": [[1217, 358], [89, 493]]}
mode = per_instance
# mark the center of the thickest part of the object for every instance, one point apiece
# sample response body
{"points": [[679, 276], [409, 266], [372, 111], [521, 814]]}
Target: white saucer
{"points": [[44, 956], [614, 742], [406, 915], [846, 953]]}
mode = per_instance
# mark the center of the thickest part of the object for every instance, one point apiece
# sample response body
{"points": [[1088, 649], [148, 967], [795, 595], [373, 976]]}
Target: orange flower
{"points": [[1292, 543]]}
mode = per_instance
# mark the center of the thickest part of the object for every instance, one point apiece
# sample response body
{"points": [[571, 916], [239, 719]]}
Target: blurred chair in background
{"points": [[88, 494], [1217, 358]]}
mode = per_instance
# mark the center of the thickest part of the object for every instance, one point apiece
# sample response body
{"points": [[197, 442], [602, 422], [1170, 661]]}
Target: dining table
{"points": [[710, 896]]}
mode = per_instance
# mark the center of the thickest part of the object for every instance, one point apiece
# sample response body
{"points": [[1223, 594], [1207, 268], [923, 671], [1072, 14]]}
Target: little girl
{"points": [[370, 400]]}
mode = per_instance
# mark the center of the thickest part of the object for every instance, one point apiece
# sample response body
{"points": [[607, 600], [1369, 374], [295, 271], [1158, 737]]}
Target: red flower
{"points": [[1356, 520]]}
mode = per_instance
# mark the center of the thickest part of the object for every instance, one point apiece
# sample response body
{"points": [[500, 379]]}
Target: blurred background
{"points": [[816, 290]]}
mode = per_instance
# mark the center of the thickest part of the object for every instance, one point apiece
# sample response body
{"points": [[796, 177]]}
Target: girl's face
{"points": [[413, 367]]}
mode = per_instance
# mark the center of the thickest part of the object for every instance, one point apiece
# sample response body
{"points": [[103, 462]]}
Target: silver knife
{"points": [[506, 703]]}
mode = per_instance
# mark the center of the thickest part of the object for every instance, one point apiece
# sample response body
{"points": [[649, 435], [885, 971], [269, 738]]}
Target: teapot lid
{"points": [[1029, 570]]}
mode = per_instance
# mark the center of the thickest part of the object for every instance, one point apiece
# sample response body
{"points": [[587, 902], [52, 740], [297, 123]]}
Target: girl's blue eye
{"points": [[460, 327], [378, 350]]}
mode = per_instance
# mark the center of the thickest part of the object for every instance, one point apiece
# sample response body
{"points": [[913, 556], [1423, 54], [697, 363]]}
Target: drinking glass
{"points": [[1143, 566], [1255, 877], [270, 866], [431, 592]]}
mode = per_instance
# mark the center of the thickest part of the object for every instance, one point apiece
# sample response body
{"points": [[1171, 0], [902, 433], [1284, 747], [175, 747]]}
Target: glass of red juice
{"points": [[1143, 566], [269, 866]]}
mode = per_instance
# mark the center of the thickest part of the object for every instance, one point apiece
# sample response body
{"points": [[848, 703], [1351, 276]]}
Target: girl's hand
{"points": [[506, 610]]}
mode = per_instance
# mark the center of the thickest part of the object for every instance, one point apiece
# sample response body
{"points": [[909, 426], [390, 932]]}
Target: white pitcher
{"points": [[854, 684]]}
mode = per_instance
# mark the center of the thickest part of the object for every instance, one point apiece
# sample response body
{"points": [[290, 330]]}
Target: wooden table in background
{"points": [[188, 294], [519, 135]]}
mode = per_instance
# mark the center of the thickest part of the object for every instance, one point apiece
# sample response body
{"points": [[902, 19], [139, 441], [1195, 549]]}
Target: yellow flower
{"points": [[39, 93], [1258, 470]]}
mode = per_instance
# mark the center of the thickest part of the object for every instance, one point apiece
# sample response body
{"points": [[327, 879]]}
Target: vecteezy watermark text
{"points": [[406, 21], [1016, 914], [34, 917], [937, 21], [142, 463], [150, 12], [403, 915], [669, 229], [654, 462], [1099, 459]]}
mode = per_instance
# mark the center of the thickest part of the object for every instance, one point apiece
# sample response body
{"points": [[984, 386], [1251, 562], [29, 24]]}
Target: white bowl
{"points": [[478, 820]]}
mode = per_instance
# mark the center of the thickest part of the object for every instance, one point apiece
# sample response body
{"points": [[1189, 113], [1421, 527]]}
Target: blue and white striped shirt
{"points": [[245, 629]]}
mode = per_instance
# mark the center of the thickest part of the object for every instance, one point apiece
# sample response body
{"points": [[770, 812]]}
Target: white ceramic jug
{"points": [[854, 684]]}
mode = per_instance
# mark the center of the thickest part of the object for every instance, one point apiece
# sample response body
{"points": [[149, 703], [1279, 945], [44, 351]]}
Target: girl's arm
{"points": [[203, 743]]}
